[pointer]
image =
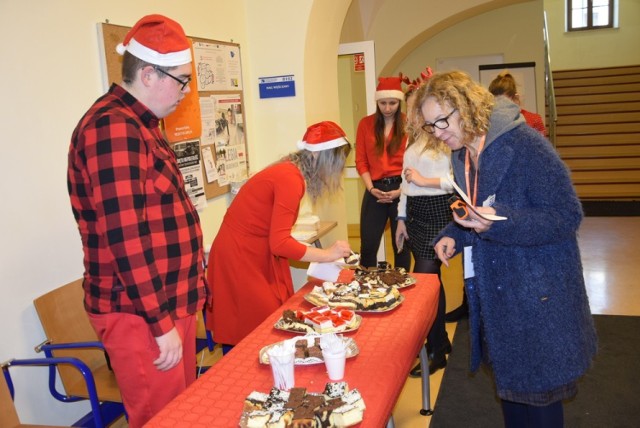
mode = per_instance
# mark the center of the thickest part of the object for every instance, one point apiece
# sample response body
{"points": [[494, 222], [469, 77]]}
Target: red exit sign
{"points": [[358, 62]]}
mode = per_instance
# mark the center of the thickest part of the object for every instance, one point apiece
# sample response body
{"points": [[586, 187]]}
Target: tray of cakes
{"points": [[384, 276], [321, 319], [355, 296], [337, 406], [308, 351]]}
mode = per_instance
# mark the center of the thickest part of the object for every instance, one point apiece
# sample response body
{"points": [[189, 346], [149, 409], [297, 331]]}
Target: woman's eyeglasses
{"points": [[184, 83], [440, 123]]}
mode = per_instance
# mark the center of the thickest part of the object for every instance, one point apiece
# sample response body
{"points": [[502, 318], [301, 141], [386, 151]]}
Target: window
{"points": [[589, 14]]}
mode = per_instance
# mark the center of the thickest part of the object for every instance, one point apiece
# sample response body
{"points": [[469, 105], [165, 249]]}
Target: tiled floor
{"points": [[611, 269]]}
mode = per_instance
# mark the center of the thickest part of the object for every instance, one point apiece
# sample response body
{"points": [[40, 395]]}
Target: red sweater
{"points": [[367, 160]]}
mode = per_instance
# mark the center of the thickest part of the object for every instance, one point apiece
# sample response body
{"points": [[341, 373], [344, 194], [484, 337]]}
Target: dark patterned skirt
{"points": [[426, 216]]}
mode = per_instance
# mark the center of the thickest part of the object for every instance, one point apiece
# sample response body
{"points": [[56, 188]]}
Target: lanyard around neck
{"points": [[473, 194]]}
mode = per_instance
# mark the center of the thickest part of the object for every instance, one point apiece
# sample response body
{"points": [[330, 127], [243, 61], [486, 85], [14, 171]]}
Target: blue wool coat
{"points": [[529, 312]]}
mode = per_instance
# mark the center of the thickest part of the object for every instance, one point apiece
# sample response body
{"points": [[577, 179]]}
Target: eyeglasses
{"points": [[184, 83], [440, 123]]}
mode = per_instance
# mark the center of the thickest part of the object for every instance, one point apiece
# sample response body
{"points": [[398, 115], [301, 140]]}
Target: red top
{"points": [[535, 121], [367, 160], [248, 268], [140, 233], [388, 343]]}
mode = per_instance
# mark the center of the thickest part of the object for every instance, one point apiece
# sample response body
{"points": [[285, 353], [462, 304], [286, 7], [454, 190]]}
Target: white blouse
{"points": [[430, 164]]}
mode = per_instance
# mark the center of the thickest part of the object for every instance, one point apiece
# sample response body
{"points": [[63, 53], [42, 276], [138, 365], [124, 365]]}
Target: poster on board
{"points": [[217, 67], [231, 156], [188, 158]]}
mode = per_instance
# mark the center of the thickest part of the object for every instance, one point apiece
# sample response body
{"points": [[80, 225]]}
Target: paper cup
{"points": [[282, 368], [335, 363]]}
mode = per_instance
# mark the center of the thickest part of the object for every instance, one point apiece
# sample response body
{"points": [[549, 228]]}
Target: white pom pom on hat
{"points": [[389, 87], [323, 136], [157, 40]]}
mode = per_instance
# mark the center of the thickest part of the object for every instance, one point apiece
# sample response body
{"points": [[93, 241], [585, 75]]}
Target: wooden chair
{"points": [[69, 334], [8, 413]]}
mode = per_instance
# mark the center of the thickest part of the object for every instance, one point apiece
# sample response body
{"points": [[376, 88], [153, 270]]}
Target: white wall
{"points": [[51, 75], [513, 31], [610, 47]]}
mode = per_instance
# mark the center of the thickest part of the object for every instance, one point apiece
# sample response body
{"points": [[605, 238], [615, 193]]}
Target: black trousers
{"points": [[519, 415], [373, 220]]}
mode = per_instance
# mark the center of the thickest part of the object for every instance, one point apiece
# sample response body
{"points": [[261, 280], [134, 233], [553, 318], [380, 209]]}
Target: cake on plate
{"points": [[355, 296], [322, 319], [336, 407]]}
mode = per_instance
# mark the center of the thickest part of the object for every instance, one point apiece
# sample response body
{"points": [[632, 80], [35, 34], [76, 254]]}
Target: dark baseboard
{"points": [[611, 208]]}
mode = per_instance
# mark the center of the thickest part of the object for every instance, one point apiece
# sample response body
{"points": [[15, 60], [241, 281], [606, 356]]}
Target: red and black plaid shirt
{"points": [[140, 233]]}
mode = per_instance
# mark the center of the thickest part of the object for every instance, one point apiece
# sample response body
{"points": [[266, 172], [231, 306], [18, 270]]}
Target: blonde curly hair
{"points": [[412, 129], [456, 90]]}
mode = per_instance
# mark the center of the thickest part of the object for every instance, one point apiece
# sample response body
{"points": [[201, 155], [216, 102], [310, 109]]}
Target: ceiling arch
{"points": [[399, 26]]}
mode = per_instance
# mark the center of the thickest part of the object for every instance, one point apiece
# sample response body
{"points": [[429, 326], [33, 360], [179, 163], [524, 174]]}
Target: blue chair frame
{"points": [[100, 414], [208, 342]]}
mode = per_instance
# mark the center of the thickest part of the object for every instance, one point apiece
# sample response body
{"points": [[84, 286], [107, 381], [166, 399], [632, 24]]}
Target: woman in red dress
{"points": [[248, 270]]}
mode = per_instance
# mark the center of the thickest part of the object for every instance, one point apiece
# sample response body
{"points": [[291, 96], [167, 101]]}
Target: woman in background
{"points": [[529, 317], [505, 84], [380, 144], [423, 211], [248, 270]]}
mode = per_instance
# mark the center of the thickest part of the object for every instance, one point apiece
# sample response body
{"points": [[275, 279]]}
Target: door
{"points": [[356, 88]]}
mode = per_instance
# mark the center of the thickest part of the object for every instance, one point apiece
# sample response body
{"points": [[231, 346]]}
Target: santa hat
{"points": [[323, 136], [157, 40], [389, 87]]}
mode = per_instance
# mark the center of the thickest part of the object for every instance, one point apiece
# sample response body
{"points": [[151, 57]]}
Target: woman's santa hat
{"points": [[389, 87], [323, 136], [157, 40]]}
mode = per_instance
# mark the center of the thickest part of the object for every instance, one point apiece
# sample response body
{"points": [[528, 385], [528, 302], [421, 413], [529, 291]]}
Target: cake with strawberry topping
{"points": [[322, 319]]}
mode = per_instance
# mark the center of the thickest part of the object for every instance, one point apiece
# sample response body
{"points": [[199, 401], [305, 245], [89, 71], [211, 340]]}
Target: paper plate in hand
{"points": [[281, 324], [492, 217], [352, 350]]}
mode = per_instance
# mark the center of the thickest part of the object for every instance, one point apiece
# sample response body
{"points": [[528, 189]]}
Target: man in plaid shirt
{"points": [[141, 237]]}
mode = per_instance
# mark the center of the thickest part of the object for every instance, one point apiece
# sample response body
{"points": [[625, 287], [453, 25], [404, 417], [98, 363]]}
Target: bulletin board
{"points": [[216, 93]]}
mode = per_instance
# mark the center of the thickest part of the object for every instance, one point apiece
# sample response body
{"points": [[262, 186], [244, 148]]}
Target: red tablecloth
{"points": [[388, 343]]}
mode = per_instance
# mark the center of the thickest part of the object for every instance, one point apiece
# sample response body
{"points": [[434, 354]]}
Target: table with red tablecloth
{"points": [[388, 344]]}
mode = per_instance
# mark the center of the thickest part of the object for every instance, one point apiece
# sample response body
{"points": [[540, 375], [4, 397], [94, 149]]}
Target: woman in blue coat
{"points": [[528, 309]]}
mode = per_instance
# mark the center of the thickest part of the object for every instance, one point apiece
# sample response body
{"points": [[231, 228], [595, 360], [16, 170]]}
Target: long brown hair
{"points": [[397, 131]]}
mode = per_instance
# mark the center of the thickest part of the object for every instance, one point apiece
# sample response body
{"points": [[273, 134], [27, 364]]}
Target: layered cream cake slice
{"points": [[346, 416]]}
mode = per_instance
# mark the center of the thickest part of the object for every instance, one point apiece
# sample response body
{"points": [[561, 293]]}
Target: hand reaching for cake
{"points": [[339, 250]]}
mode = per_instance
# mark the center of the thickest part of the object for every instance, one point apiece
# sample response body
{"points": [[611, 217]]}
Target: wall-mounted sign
{"points": [[358, 62], [277, 86]]}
